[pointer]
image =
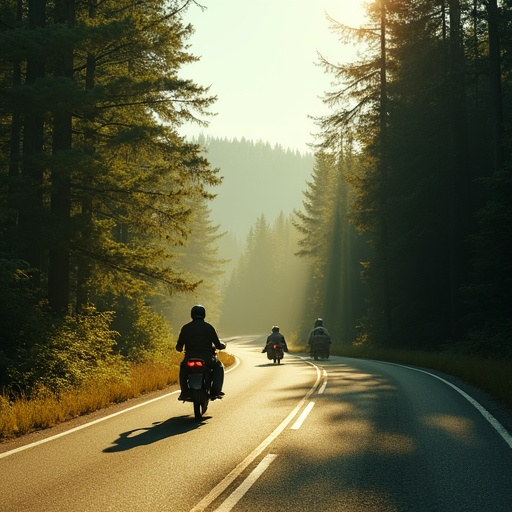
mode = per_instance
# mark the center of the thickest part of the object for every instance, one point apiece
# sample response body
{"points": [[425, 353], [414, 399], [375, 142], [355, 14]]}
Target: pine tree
{"points": [[488, 292], [116, 169], [315, 223], [361, 105], [334, 250], [100, 187], [198, 262]]}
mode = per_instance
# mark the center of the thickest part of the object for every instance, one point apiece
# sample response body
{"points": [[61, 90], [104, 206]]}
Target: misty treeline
{"points": [[268, 285], [414, 159], [271, 283], [264, 281], [256, 178], [99, 193]]}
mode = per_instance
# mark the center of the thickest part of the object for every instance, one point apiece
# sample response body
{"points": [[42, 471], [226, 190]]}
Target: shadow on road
{"points": [[157, 432], [264, 365]]}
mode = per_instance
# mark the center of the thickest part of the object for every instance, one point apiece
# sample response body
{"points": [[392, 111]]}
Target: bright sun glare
{"points": [[260, 60], [350, 12]]}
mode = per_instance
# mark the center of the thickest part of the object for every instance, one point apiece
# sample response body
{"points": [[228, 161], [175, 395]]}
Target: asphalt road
{"points": [[337, 435]]}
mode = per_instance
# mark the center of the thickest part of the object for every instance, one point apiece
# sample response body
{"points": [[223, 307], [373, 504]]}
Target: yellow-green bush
{"points": [[47, 408]]}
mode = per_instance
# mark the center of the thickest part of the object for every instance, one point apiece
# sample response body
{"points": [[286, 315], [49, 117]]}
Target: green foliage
{"points": [[73, 350], [23, 321], [115, 199], [198, 261], [268, 284], [97, 186], [144, 335], [427, 115], [333, 250], [489, 293]]}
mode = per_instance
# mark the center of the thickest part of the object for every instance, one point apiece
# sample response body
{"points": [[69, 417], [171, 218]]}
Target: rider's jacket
{"points": [[198, 338], [277, 337], [319, 334]]}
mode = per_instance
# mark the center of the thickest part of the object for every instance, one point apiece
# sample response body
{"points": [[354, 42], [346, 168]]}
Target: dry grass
{"points": [[22, 416], [492, 376], [46, 410]]}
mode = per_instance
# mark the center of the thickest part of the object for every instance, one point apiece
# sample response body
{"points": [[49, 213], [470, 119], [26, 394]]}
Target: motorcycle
{"points": [[199, 380], [319, 350], [275, 352]]}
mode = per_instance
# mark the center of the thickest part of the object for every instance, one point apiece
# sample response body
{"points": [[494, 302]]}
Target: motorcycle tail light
{"points": [[191, 364], [275, 346]]}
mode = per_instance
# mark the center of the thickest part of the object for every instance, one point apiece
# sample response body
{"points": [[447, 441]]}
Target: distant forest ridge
{"points": [[258, 178]]}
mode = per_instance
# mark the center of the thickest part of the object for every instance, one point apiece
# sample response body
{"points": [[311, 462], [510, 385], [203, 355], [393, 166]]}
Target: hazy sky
{"points": [[259, 58]]}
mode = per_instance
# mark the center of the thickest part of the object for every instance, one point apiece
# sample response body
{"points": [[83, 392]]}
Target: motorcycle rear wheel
{"points": [[197, 410], [200, 404]]}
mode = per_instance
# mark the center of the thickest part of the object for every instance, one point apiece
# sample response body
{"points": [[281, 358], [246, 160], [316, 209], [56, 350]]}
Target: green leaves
{"points": [[99, 186]]}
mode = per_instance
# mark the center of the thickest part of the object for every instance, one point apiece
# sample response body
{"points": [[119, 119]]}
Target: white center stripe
{"points": [[235, 473], [303, 416], [237, 495], [324, 385]]}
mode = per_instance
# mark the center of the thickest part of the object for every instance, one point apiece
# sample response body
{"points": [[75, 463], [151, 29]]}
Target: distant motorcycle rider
{"points": [[200, 339], [319, 334], [275, 337]]}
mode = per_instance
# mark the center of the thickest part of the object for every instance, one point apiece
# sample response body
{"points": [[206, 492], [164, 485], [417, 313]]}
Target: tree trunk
{"points": [[460, 214], [31, 197], [59, 264], [383, 163], [495, 84], [15, 147], [83, 265]]}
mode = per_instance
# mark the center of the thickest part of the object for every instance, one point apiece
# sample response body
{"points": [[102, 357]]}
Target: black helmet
{"points": [[198, 311], [319, 322], [275, 328]]}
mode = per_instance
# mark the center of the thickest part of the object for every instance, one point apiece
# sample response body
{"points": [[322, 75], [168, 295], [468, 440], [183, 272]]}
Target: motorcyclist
{"points": [[200, 339], [275, 337], [319, 334]]}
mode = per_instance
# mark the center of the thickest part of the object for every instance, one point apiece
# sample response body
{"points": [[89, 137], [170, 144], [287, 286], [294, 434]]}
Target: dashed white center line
{"points": [[302, 417], [324, 385], [235, 473], [239, 492]]}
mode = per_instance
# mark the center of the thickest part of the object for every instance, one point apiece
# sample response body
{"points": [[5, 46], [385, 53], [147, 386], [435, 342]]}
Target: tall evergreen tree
{"points": [[198, 262], [99, 186], [360, 106], [425, 134], [314, 223], [109, 70], [331, 246], [488, 292], [412, 201]]}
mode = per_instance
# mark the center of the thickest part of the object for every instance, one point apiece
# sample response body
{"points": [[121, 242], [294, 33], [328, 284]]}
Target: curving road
{"points": [[337, 435]]}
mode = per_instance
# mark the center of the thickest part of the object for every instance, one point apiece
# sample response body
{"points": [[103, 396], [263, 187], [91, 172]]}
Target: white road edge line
{"points": [[324, 385], [502, 431], [303, 416], [235, 473], [240, 491], [99, 420]]}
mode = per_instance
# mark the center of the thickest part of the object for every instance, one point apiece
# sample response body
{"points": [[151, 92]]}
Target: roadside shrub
{"points": [[144, 334], [74, 350], [22, 320]]}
